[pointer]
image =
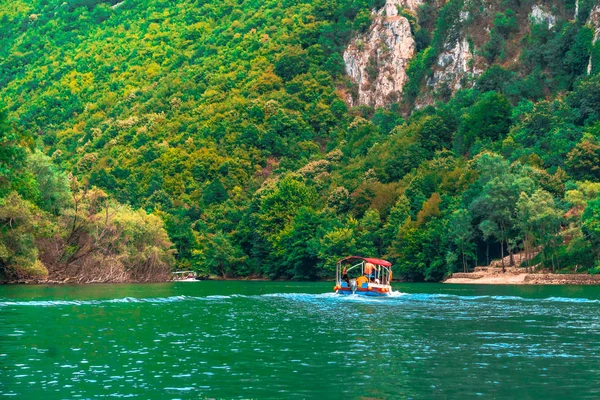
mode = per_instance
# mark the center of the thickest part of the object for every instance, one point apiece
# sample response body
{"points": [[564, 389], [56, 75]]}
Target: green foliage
{"points": [[540, 221], [591, 224], [595, 59], [585, 100], [461, 235], [13, 155], [584, 160], [21, 224], [563, 52], [489, 119], [54, 192], [299, 245], [227, 121], [506, 22], [495, 205], [291, 63], [416, 72], [215, 192], [220, 256]]}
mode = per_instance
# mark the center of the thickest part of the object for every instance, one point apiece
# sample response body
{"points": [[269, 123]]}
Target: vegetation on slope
{"points": [[51, 226], [226, 121]]}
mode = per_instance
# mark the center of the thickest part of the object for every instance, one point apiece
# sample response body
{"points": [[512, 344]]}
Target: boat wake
{"points": [[394, 298]]}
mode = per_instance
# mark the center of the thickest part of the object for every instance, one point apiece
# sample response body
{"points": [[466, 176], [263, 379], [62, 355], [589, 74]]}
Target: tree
{"points": [[220, 255], [215, 193], [298, 245], [291, 63], [461, 235], [179, 227], [591, 224], [21, 224], [369, 229], [495, 205], [584, 160], [488, 119], [336, 244], [13, 154], [53, 185], [278, 206], [398, 216], [539, 221], [585, 99]]}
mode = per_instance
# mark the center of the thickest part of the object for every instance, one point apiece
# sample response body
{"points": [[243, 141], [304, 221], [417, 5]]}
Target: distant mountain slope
{"points": [[274, 136]]}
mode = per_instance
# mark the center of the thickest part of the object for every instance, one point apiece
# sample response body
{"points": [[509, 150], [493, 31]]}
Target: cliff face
{"points": [[377, 60], [452, 67]]}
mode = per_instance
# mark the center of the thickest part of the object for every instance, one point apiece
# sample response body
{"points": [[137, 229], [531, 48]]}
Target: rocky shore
{"points": [[518, 276]]}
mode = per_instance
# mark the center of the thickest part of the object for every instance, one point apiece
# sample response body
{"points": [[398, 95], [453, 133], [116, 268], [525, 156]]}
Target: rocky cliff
{"points": [[377, 61]]}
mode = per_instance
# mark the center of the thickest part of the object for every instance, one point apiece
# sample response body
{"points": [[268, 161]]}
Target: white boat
{"points": [[184, 276]]}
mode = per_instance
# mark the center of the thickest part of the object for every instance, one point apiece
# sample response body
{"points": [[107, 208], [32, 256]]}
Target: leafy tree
{"points": [[21, 224], [13, 154], [298, 245], [591, 224], [179, 228], [539, 221], [215, 193], [585, 99], [292, 63], [461, 235], [495, 205], [220, 256], [584, 160], [506, 22], [336, 244], [52, 184], [489, 119]]}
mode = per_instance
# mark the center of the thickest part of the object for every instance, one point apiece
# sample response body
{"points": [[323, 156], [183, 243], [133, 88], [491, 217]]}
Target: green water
{"points": [[290, 340]]}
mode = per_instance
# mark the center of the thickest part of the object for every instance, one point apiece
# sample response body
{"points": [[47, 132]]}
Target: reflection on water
{"points": [[285, 340]]}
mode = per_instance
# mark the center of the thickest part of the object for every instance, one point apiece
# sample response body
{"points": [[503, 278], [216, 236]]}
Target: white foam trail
{"points": [[50, 303], [394, 298]]}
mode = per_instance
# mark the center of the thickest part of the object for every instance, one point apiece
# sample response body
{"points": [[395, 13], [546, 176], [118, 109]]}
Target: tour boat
{"points": [[363, 276]]}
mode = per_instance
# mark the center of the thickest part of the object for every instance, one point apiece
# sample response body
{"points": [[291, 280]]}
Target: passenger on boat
{"points": [[370, 271], [345, 276], [361, 280]]}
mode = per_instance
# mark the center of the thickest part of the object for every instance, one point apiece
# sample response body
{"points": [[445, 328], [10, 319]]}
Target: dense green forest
{"points": [[214, 136]]}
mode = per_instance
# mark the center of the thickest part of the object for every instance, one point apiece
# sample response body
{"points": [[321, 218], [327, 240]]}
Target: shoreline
{"points": [[54, 282], [513, 276], [490, 275]]}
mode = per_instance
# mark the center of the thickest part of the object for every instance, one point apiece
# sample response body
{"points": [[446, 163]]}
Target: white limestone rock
{"points": [[452, 65], [377, 60], [540, 16]]}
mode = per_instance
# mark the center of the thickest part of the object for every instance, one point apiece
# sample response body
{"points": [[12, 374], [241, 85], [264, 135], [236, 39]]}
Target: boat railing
{"points": [[381, 272]]}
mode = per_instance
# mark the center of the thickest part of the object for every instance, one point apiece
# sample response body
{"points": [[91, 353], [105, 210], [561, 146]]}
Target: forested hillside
{"points": [[237, 126]]}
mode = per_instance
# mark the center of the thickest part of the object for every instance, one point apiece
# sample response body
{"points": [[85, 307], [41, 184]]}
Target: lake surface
{"points": [[296, 340]]}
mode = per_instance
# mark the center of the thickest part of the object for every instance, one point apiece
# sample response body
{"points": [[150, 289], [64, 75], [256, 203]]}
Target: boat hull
{"points": [[364, 292]]}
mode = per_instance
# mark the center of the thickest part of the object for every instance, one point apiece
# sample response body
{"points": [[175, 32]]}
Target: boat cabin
{"points": [[363, 276]]}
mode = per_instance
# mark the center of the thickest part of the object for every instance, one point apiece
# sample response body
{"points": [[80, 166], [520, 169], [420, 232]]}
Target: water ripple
{"points": [[395, 297]]}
